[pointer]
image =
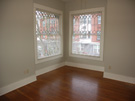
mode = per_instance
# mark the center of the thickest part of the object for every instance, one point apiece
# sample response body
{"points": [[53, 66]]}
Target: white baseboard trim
{"points": [[119, 77], [49, 68], [17, 84], [30, 79], [85, 66]]}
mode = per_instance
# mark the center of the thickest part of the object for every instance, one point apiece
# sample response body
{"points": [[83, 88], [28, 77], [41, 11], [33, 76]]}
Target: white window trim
{"points": [[102, 9], [61, 31]]}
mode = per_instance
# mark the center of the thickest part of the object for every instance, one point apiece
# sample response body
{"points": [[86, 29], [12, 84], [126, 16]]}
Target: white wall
{"points": [[120, 37], [16, 40]]}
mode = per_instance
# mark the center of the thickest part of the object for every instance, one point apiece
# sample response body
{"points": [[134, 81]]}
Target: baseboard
{"points": [[28, 80], [85, 66], [119, 77], [17, 84], [49, 68]]}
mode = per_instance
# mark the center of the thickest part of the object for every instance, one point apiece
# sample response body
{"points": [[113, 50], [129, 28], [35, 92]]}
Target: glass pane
{"points": [[48, 36], [86, 34]]}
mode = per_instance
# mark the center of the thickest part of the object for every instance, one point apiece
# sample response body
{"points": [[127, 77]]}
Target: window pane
{"points": [[86, 34], [48, 35]]}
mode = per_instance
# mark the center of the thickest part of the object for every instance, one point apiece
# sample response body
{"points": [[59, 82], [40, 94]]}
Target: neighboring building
{"points": [[86, 34]]}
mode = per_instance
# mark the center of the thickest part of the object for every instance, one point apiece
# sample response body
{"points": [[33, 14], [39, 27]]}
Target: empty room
{"points": [[67, 50]]}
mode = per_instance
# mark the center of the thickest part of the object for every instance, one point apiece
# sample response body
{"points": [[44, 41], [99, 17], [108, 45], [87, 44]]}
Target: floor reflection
{"points": [[83, 87]]}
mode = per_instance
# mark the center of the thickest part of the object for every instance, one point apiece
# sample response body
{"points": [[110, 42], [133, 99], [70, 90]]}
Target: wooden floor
{"points": [[73, 84]]}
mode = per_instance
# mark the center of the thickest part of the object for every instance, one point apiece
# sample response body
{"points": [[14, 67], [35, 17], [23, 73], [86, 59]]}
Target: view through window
{"points": [[86, 34], [47, 34]]}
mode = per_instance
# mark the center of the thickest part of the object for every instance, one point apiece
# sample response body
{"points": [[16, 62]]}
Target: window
{"points": [[48, 33], [86, 33]]}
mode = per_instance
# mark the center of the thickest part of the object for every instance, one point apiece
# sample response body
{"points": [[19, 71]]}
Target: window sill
{"points": [[37, 61], [87, 57]]}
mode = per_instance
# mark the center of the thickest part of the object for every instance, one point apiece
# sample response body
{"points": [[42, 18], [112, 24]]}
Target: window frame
{"points": [[86, 11], [60, 13]]}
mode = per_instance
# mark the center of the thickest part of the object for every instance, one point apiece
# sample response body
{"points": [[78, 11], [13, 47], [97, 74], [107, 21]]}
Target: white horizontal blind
{"points": [[47, 34], [86, 34]]}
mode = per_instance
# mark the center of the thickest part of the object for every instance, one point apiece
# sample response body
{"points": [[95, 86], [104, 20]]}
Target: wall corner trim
{"points": [[17, 85], [85, 66], [49, 68], [119, 77]]}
